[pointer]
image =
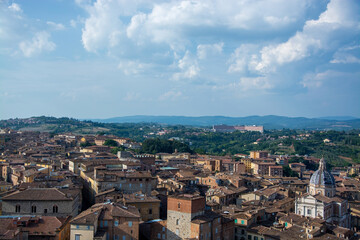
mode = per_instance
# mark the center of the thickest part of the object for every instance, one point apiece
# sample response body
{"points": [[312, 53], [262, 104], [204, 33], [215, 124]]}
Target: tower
{"points": [[181, 210]]}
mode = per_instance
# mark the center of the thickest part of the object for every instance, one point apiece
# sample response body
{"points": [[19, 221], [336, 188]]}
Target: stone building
{"points": [[149, 207], [106, 221], [106, 178], [320, 200], [42, 202]]}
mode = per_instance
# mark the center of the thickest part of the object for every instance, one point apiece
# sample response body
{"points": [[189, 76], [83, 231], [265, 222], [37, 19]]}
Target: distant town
{"points": [[76, 180]]}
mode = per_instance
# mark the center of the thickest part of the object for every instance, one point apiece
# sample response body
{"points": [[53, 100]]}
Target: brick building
{"points": [[182, 209]]}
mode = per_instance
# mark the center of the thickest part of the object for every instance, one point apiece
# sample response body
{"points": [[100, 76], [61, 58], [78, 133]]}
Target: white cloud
{"points": [[171, 95], [243, 59], [55, 26], [15, 8], [189, 67], [346, 55], [317, 80], [341, 17], [173, 22], [40, 42], [132, 67], [254, 83], [345, 58], [204, 50]]}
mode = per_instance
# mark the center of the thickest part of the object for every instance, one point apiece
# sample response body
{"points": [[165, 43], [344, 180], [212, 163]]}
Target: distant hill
{"points": [[269, 122], [339, 118]]}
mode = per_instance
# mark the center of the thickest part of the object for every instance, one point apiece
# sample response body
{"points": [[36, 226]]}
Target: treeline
{"points": [[157, 145]]}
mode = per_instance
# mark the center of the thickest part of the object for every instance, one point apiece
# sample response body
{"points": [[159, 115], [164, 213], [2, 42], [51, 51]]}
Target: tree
{"points": [[117, 149], [157, 145], [110, 143], [85, 144], [287, 172]]}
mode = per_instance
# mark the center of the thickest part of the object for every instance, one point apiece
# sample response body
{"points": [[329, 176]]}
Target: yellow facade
{"points": [[247, 163]]}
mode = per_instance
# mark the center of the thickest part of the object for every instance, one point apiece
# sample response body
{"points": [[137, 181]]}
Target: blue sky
{"points": [[106, 58]]}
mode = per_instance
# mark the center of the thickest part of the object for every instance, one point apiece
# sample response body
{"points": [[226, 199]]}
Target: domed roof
{"points": [[321, 176]]}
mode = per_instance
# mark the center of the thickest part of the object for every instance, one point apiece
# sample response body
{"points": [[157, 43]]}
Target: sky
{"points": [[108, 58]]}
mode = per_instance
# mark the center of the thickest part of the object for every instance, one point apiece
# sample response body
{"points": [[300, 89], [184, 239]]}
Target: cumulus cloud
{"points": [[39, 43], [341, 18], [204, 50], [189, 67], [173, 22], [243, 59]]}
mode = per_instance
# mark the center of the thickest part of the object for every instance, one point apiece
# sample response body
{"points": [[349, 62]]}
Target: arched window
{"points": [[179, 204], [17, 208], [33, 209], [177, 221], [55, 209]]}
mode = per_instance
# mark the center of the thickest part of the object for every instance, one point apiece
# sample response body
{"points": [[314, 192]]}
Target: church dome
{"points": [[321, 176]]}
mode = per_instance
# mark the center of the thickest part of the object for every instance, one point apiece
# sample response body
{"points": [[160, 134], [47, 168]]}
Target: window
{"points": [[130, 223], [55, 209], [141, 185], [218, 220], [124, 237], [129, 185], [33, 209], [179, 204], [77, 236], [249, 237], [255, 238], [177, 232], [177, 221], [116, 223], [163, 229], [45, 210], [150, 211], [242, 231], [105, 223], [216, 231], [242, 222], [159, 236], [309, 211], [17, 208], [77, 226]]}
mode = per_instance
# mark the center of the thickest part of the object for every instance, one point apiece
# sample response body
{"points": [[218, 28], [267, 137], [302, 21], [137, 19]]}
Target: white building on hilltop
{"points": [[320, 200]]}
